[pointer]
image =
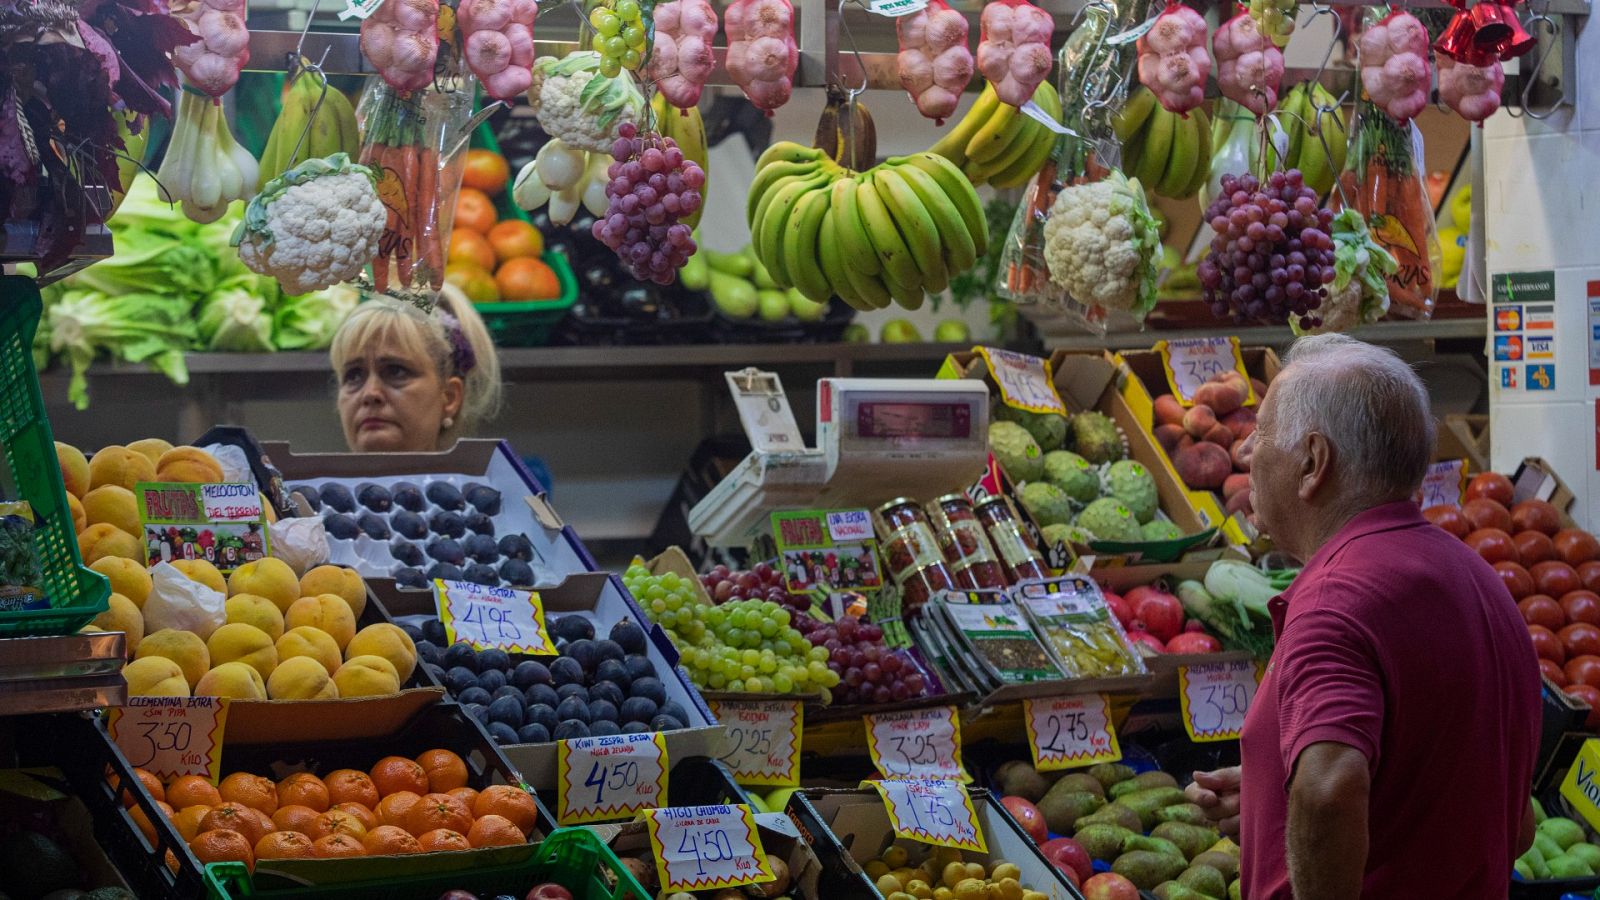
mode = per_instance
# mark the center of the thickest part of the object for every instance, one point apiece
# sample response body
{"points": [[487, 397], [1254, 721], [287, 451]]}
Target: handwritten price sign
{"points": [[1070, 731], [228, 502], [933, 811], [171, 736], [1215, 698], [603, 778], [760, 740], [488, 617], [1194, 361], [702, 848], [1442, 485], [918, 743], [1024, 381]]}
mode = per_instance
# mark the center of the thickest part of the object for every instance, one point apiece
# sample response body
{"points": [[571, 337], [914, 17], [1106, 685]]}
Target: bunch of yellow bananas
{"points": [[1297, 116], [997, 144], [332, 128], [1168, 152]]}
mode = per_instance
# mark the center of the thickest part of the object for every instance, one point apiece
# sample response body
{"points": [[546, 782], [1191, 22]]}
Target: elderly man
{"points": [[1389, 751]]}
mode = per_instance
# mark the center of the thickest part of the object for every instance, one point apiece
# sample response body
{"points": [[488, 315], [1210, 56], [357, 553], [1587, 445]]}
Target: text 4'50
{"points": [[611, 777]]}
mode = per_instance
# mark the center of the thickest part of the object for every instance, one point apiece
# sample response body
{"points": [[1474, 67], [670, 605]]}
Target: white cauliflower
{"points": [[578, 105], [314, 226], [1102, 245]]}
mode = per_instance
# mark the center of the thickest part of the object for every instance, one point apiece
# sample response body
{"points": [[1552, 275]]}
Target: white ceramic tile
{"points": [[1562, 433], [1542, 203]]}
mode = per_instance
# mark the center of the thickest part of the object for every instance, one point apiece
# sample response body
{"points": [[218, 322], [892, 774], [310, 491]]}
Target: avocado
{"points": [[1146, 868], [32, 865], [1140, 782]]}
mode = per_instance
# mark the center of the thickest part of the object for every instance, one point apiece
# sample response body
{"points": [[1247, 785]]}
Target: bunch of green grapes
{"points": [[1275, 19], [619, 35], [742, 645]]}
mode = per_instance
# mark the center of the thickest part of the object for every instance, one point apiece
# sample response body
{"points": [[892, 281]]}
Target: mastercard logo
{"points": [[1508, 320]]}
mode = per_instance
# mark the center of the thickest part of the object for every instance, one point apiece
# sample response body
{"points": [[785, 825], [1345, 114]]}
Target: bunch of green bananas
{"points": [[1168, 152], [331, 130], [688, 130], [997, 144], [896, 231], [1297, 115]]}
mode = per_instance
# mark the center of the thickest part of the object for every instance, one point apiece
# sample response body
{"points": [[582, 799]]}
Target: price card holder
{"points": [[604, 778], [171, 736], [764, 411], [497, 617], [703, 848], [933, 811], [1192, 362], [1581, 787], [1216, 697], [222, 523], [760, 740], [1444, 483], [1066, 732], [896, 8], [917, 743], [1024, 381]]}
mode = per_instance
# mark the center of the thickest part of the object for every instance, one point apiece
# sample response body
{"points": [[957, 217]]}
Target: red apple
{"points": [[1067, 854], [549, 891], [1028, 816], [1109, 886]]}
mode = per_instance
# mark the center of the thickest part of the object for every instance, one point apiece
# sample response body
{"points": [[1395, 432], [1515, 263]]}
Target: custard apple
{"points": [[1048, 429], [1073, 474], [1016, 450], [1096, 438], [1064, 534], [1048, 504], [1160, 530], [1109, 519], [1131, 483]]}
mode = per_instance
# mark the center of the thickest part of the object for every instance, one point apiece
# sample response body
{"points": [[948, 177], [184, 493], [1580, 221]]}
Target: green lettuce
{"points": [[237, 316], [308, 321], [139, 327]]}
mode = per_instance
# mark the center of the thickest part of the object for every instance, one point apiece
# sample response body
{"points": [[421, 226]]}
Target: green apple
{"points": [[899, 331], [952, 331], [856, 333]]}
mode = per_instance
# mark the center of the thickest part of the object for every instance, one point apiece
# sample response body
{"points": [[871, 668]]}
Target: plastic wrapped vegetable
{"points": [[681, 61], [212, 63], [1394, 64], [1359, 294], [934, 63], [402, 41], [1472, 91], [1249, 64], [762, 55], [316, 225], [1014, 48], [498, 43], [1173, 62], [1102, 244]]}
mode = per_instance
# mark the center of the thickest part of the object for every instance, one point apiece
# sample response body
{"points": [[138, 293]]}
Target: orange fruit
{"points": [[351, 786], [475, 210], [223, 845], [508, 802], [446, 771], [466, 795], [337, 846], [515, 239], [468, 246], [283, 845], [304, 791], [396, 773], [392, 809], [367, 818], [295, 818], [232, 816], [443, 839], [387, 840], [437, 811], [192, 790], [267, 825], [146, 827], [495, 831], [525, 279], [473, 281], [251, 790], [151, 783], [485, 170], [187, 821], [336, 822]]}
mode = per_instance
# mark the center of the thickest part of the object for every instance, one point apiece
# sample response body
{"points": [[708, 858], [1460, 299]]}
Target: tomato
{"points": [[1555, 578], [514, 239], [1576, 546], [1589, 574], [1536, 515], [526, 279], [1516, 579], [1484, 513], [485, 170], [1582, 606], [477, 284], [1541, 609], [1493, 545], [1492, 485], [1548, 645], [475, 210], [1590, 696], [1534, 547], [1553, 672], [1580, 638], [468, 246], [1583, 670], [1449, 518]]}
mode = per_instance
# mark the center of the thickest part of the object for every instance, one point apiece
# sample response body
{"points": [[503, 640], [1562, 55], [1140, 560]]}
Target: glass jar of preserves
{"points": [[911, 552], [971, 558], [1018, 556]]}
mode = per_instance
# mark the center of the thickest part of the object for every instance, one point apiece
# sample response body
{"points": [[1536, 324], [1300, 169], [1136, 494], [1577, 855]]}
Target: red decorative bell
{"points": [[1520, 41], [1456, 39], [1493, 23]]}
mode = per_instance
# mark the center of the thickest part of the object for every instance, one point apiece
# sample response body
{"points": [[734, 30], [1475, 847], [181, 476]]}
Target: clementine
{"points": [[232, 816], [335, 822], [466, 795], [522, 279], [283, 845], [387, 840], [510, 803], [485, 170], [146, 827], [223, 845], [251, 790], [192, 790], [351, 786], [187, 820], [295, 818], [396, 773], [475, 282], [446, 771], [443, 839], [515, 239], [151, 783], [359, 812], [304, 791], [475, 210], [392, 809], [337, 846], [468, 246], [495, 831], [437, 811]]}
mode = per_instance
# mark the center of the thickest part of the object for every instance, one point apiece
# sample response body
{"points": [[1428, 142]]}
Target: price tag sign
{"points": [[933, 811], [896, 8], [613, 777], [487, 617], [760, 740], [1443, 484], [702, 848], [1194, 361], [1215, 697], [171, 736], [826, 550], [222, 523], [917, 743], [1066, 732], [1024, 381]]}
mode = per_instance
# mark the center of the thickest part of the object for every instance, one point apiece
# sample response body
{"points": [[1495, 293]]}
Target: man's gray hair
{"points": [[1367, 402]]}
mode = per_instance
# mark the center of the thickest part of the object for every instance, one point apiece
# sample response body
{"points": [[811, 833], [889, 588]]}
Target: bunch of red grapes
{"points": [[653, 185], [762, 582], [1272, 254], [868, 671]]}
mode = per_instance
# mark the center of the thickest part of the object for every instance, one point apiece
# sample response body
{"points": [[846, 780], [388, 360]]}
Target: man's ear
{"points": [[1316, 465]]}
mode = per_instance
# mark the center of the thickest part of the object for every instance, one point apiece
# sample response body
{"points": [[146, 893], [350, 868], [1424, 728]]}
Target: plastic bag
{"points": [[302, 543], [177, 602], [235, 465]]}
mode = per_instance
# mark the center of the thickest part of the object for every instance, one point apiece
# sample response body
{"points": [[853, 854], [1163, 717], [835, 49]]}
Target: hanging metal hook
{"points": [[1532, 78], [311, 68], [861, 63]]}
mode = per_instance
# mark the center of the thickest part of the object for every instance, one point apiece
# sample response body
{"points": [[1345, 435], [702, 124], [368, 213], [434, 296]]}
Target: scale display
{"points": [[885, 419]]}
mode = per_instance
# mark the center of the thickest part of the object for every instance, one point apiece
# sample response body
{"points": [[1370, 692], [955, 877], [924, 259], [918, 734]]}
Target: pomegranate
{"points": [[1194, 642], [1159, 613], [1146, 643]]}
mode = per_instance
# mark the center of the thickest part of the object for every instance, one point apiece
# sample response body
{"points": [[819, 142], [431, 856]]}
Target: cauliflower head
{"points": [[1102, 245], [314, 226], [575, 103]]}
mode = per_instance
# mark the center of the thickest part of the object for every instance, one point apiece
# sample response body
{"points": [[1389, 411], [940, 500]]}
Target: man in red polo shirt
{"points": [[1389, 751]]}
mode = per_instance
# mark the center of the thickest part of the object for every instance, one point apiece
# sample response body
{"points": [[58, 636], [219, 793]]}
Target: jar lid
{"points": [[991, 500], [896, 502], [957, 496]]}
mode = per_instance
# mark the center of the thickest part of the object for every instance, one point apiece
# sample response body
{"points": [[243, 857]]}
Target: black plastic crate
{"points": [[829, 329]]}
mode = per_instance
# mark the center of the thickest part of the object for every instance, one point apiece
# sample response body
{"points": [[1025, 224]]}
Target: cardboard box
{"points": [[780, 837], [1536, 479], [1464, 437]]}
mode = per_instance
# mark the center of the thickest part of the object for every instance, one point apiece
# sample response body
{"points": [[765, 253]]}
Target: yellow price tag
{"points": [[1580, 787], [1065, 732], [916, 743], [171, 736], [604, 778], [1216, 697], [702, 848], [761, 740], [1192, 362], [1024, 381], [933, 811], [497, 617]]}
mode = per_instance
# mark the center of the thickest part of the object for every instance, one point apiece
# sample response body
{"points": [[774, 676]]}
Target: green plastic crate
{"points": [[77, 594], [570, 857]]}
